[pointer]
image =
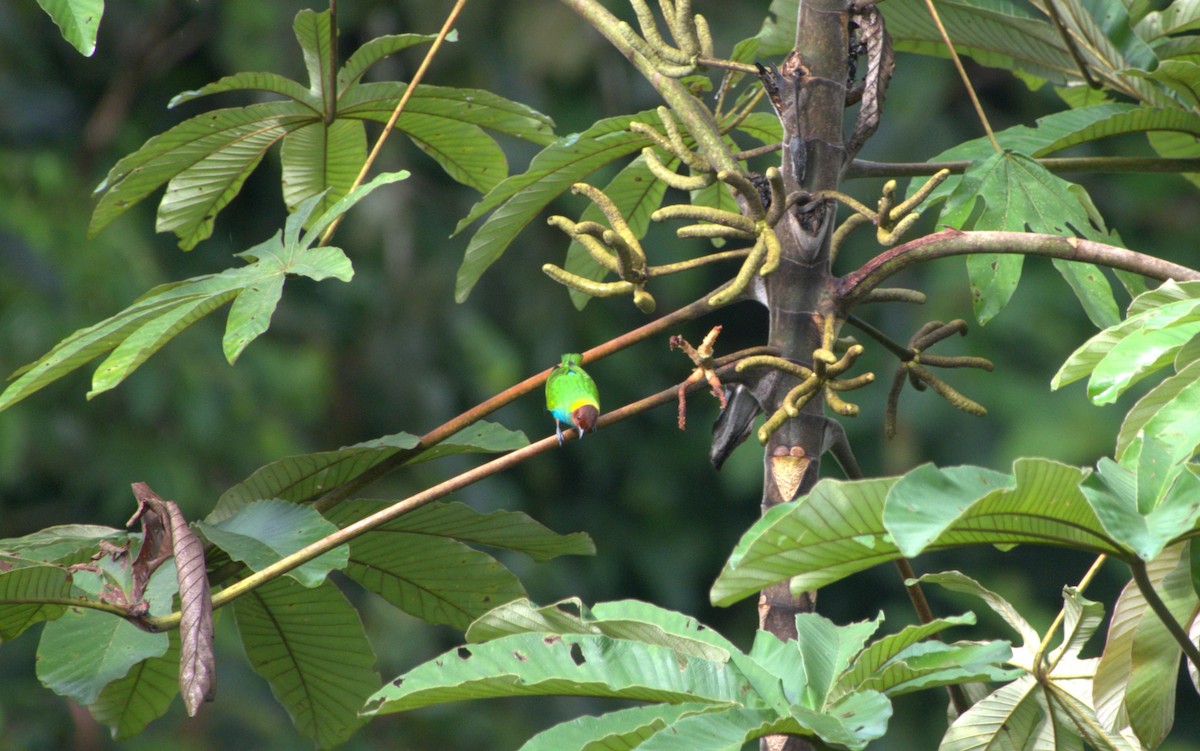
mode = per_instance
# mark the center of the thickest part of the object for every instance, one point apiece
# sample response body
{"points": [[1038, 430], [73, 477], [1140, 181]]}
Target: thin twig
{"points": [[481, 410], [471, 476], [962, 72], [391, 123]]}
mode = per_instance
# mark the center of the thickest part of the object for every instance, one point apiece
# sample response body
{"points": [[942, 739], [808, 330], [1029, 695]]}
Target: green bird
{"points": [[572, 397]]}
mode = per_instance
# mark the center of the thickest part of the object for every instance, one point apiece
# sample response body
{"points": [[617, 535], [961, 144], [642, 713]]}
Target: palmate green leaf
{"points": [[1053, 711], [419, 562], [377, 101], [1167, 413], [1006, 720], [465, 151], [838, 528], [507, 530], [636, 193], [635, 650], [322, 160], [519, 198], [448, 123], [203, 160], [1176, 18], [622, 730], [1137, 355], [314, 32], [1146, 511], [834, 531], [377, 49], [137, 332], [1135, 680], [262, 532], [310, 646], [1018, 194], [927, 501], [931, 664], [82, 652], [303, 477], [956, 581], [762, 126], [299, 478], [567, 664], [272, 83], [778, 33], [1061, 130], [78, 21], [880, 652], [129, 704], [827, 650], [622, 619], [1180, 76], [34, 567], [1173, 309]]}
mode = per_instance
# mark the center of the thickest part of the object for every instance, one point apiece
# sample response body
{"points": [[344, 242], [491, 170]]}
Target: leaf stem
{"points": [[1142, 578], [331, 92], [391, 123]]}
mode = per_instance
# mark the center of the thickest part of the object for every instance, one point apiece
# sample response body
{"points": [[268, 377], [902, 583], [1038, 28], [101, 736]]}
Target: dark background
{"points": [[392, 351]]}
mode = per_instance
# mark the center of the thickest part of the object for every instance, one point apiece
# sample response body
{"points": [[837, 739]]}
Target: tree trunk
{"points": [[811, 100]]}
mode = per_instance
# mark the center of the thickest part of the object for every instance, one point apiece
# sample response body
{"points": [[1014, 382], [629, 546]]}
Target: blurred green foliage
{"points": [[391, 351]]}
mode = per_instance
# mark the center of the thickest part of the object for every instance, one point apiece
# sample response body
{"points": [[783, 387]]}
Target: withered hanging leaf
{"points": [[167, 533], [156, 543], [197, 663]]}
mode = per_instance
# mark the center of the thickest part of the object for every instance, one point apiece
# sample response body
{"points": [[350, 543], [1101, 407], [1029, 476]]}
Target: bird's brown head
{"points": [[585, 418]]}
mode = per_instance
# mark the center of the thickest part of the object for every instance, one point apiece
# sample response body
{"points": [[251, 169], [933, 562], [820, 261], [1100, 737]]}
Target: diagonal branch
{"points": [[853, 287], [471, 476]]}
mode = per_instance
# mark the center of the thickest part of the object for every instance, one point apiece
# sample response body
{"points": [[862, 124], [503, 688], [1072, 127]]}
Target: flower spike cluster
{"points": [[892, 220], [692, 37], [912, 367], [617, 249], [821, 378]]}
